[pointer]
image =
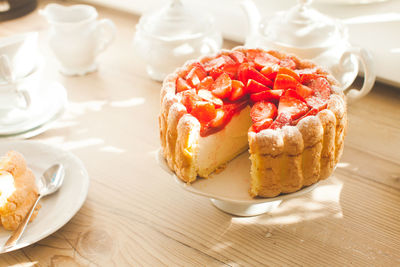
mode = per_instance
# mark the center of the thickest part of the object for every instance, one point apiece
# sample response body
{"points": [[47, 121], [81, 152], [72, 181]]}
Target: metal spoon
{"points": [[49, 183]]}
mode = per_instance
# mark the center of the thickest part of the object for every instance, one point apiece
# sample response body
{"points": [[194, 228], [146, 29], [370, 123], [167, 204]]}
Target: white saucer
{"points": [[59, 208], [46, 107], [228, 190]]}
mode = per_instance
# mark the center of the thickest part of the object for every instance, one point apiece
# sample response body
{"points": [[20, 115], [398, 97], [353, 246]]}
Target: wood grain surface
{"points": [[135, 214]]}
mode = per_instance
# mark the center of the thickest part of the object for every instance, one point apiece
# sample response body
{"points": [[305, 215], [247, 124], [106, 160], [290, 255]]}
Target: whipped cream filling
{"points": [[222, 146], [7, 186]]}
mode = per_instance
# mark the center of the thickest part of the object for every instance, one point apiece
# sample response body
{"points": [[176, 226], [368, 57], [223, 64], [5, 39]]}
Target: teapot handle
{"points": [[368, 66], [107, 32]]}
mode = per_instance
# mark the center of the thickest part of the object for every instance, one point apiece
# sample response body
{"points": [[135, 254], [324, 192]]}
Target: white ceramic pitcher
{"points": [[77, 37]]}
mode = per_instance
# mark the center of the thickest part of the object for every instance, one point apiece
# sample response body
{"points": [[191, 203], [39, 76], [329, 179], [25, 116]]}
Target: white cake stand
{"points": [[228, 190]]}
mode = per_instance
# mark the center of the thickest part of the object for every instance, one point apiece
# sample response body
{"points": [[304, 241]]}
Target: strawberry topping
{"points": [[196, 74], [204, 111], [255, 87], [284, 81], [222, 87], [238, 90], [206, 83], [263, 110], [216, 89], [292, 104], [182, 85], [268, 95]]}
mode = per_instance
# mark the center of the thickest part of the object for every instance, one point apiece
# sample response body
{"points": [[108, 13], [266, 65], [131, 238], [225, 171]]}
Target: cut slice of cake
{"points": [[288, 111], [18, 190]]}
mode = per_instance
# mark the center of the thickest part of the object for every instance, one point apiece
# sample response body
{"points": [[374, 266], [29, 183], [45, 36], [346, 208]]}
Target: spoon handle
{"points": [[21, 228]]}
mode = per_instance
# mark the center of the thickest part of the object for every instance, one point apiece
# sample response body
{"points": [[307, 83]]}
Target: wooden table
{"points": [[135, 214]]}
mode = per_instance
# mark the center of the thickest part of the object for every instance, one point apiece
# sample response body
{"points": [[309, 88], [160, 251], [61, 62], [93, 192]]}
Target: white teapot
{"points": [[309, 34]]}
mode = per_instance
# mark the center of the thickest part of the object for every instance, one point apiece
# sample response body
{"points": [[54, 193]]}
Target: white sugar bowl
{"points": [[166, 38]]}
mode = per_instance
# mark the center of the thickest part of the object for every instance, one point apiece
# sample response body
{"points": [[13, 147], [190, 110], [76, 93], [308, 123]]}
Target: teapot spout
{"points": [[253, 18]]}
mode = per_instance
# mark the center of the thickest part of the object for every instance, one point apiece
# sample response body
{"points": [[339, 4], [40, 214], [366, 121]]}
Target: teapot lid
{"points": [[175, 22], [303, 27]]}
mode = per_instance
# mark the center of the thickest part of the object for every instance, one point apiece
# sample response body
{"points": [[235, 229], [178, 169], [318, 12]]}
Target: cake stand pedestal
{"points": [[228, 190], [240, 209]]}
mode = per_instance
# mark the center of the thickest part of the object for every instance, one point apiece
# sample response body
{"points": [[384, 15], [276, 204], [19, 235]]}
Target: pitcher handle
{"points": [[368, 66], [107, 32]]}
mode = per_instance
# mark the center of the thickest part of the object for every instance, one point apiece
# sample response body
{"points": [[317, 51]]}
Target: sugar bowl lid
{"points": [[303, 27], [175, 22]]}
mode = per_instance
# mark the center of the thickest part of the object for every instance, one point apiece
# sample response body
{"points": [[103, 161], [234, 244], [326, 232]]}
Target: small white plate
{"points": [[229, 189], [59, 208], [47, 106]]}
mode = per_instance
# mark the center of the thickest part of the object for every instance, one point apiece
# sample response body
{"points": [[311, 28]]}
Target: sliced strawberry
{"points": [[288, 63], [270, 71], [242, 72], [261, 58], [222, 87], [255, 87], [316, 102], [321, 92], [311, 112], [215, 73], [189, 98], [284, 81], [306, 78], [263, 110], [208, 96], [223, 116], [290, 72], [204, 111], [182, 85], [231, 70], [281, 120], [196, 75], [321, 87], [261, 125], [238, 90], [303, 90], [246, 72], [291, 104], [265, 60], [258, 77], [218, 63], [219, 119], [268, 95], [238, 56], [206, 83]]}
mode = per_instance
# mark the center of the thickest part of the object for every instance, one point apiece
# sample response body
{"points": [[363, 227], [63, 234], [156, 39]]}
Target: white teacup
{"points": [[21, 53], [77, 37], [19, 94]]}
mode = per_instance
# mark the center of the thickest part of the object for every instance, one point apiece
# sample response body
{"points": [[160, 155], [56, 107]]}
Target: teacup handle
{"points": [[107, 32], [369, 72], [26, 97], [5, 69]]}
